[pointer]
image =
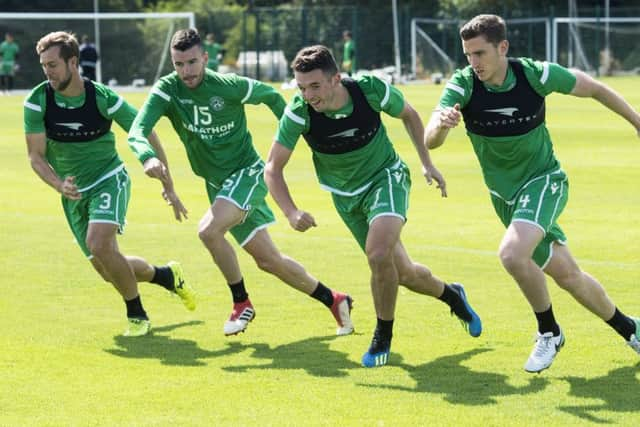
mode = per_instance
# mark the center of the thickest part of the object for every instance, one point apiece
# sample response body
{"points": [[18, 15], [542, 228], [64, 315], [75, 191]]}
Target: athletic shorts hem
{"points": [[387, 214], [527, 221], [254, 232], [235, 203]]}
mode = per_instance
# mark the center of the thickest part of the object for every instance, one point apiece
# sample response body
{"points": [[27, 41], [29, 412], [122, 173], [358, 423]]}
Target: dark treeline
{"points": [[133, 49]]}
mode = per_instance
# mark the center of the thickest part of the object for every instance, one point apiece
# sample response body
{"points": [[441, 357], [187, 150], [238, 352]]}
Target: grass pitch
{"points": [[64, 363]]}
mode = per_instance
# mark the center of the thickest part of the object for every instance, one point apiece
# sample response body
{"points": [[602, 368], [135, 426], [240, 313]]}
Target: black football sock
{"points": [[453, 299], [238, 292], [547, 322], [624, 325], [134, 309], [163, 276], [382, 336], [323, 294]]}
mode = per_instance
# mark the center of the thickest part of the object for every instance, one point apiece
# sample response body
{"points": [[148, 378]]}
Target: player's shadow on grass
{"points": [[618, 392], [312, 355], [170, 351], [459, 384]]}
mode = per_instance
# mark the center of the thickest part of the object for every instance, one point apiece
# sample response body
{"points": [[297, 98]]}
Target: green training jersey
{"points": [[210, 121], [349, 53], [347, 173], [213, 49], [509, 162], [89, 161], [9, 51]]}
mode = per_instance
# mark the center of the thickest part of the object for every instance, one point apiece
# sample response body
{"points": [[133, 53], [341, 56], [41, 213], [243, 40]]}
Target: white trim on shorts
{"points": [[250, 193], [102, 178], [555, 208], [527, 221], [233, 202], [346, 193], [118, 186], [390, 190], [254, 232], [526, 184], [104, 221], [357, 190], [560, 242], [387, 214], [541, 198]]}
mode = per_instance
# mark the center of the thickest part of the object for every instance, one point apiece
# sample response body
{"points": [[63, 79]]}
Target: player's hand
{"points": [[432, 174], [301, 220], [450, 117], [174, 201], [69, 189], [154, 168]]}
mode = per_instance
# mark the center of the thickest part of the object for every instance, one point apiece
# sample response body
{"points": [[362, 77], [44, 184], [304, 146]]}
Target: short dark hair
{"points": [[67, 42], [492, 27], [186, 39], [315, 57]]}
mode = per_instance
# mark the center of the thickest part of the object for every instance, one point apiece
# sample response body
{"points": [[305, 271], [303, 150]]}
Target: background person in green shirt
{"points": [[71, 148], [348, 53], [355, 160], [9, 52], [501, 100], [206, 109], [214, 50]]}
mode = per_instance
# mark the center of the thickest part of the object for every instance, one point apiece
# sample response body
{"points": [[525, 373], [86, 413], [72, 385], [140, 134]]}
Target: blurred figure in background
{"points": [[349, 53], [215, 51], [9, 51], [88, 58]]}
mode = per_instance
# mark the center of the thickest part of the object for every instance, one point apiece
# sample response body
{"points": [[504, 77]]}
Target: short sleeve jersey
{"points": [[213, 49], [351, 171], [508, 162], [349, 52], [210, 121], [86, 161], [9, 51]]}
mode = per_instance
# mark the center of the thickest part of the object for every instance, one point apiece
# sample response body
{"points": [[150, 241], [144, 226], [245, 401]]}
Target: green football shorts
{"points": [[247, 190], [539, 202], [7, 68], [388, 195], [105, 201]]}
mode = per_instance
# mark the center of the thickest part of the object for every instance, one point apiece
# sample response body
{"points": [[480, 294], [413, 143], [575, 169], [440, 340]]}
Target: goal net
{"points": [[133, 47], [436, 49], [602, 46]]}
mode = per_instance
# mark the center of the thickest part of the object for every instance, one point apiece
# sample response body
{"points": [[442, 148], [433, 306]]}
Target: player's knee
{"points": [[511, 260], [208, 232], [99, 248], [379, 257]]}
